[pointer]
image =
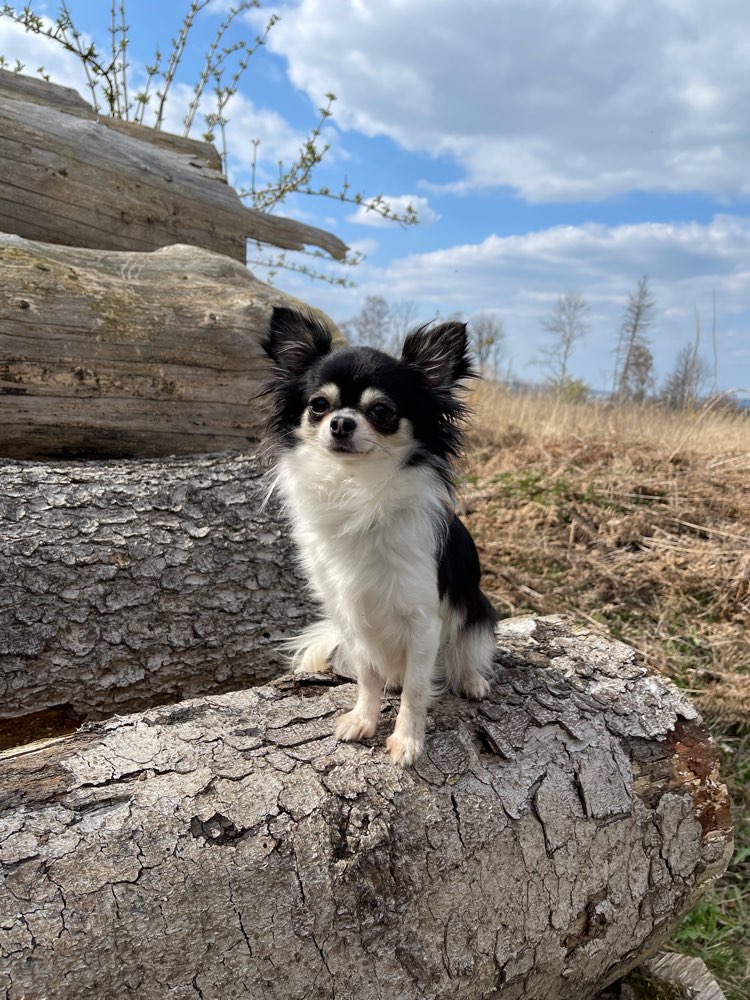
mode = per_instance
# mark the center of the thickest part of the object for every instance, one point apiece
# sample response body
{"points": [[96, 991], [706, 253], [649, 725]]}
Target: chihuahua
{"points": [[363, 448]]}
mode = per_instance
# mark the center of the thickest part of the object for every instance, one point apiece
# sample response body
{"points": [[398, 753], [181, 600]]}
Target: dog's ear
{"points": [[441, 352], [295, 340]]}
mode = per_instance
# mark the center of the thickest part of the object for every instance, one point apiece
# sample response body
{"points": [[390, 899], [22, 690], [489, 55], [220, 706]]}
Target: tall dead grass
{"points": [[502, 415], [636, 518]]}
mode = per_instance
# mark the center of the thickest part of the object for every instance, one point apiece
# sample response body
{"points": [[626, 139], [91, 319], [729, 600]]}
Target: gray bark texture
{"points": [[69, 175], [117, 355], [126, 584], [548, 839]]}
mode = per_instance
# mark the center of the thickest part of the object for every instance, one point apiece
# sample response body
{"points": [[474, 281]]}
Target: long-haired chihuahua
{"points": [[364, 446]]}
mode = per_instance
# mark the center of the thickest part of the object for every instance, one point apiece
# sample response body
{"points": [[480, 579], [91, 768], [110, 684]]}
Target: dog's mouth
{"points": [[343, 448], [346, 448]]}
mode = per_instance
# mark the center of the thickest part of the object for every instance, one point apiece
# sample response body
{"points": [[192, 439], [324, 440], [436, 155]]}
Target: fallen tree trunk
{"points": [[72, 176], [126, 584], [675, 977], [117, 355], [546, 842]]}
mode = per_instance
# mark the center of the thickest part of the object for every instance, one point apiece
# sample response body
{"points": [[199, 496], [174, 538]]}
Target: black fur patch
{"points": [[459, 573]]}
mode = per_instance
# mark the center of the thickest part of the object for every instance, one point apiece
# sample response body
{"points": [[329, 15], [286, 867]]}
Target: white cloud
{"points": [[398, 204], [36, 52], [520, 277], [580, 100], [366, 246]]}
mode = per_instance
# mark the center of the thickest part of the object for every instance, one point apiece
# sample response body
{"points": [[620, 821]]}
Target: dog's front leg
{"points": [[407, 739], [362, 721]]}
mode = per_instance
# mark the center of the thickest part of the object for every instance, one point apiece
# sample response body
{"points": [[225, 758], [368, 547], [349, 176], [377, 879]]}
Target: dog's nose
{"points": [[342, 427]]}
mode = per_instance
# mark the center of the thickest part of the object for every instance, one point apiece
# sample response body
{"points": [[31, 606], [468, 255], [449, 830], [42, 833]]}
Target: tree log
{"points": [[666, 976], [72, 176], [126, 584], [547, 840], [113, 355]]}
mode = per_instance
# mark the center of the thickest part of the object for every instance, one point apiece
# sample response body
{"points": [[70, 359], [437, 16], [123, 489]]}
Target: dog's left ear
{"points": [[442, 352], [295, 340]]}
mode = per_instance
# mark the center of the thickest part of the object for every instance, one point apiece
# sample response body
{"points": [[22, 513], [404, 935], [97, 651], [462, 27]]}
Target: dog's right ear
{"points": [[295, 340]]}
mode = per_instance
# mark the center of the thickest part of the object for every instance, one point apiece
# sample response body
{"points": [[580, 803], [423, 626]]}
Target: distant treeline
{"points": [[690, 384]]}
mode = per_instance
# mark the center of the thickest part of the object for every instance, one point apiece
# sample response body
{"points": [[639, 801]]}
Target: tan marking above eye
{"points": [[371, 396], [330, 392]]}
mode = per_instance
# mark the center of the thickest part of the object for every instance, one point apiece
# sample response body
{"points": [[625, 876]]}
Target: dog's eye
{"points": [[319, 404], [381, 413]]}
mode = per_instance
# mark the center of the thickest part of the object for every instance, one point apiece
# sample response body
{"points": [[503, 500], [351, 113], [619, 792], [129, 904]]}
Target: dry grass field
{"points": [[636, 519]]}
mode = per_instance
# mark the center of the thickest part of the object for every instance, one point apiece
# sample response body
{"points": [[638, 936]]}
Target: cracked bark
{"points": [[546, 842], [126, 584]]}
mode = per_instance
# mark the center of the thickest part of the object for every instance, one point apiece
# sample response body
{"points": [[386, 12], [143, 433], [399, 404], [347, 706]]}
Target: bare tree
{"points": [[488, 341], [567, 324], [403, 316], [640, 383], [371, 324], [715, 367], [713, 344], [634, 361], [684, 385], [382, 324]]}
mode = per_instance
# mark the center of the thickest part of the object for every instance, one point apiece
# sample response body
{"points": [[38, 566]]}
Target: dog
{"points": [[363, 447]]}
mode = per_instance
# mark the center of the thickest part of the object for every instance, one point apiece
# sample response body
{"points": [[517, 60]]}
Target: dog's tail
{"points": [[468, 655], [317, 649]]}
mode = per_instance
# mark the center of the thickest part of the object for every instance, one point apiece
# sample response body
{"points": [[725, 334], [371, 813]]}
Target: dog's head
{"points": [[357, 402]]}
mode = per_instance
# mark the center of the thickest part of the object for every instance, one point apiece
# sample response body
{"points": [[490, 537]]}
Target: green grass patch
{"points": [[530, 486], [715, 930], [525, 487]]}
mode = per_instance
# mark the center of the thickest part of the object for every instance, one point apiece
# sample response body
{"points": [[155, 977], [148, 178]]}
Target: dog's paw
{"points": [[354, 726], [404, 750], [475, 687]]}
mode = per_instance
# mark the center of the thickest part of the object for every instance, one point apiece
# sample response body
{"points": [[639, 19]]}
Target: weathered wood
{"points": [[228, 847], [666, 976], [689, 973], [126, 584], [107, 354], [71, 176], [34, 90]]}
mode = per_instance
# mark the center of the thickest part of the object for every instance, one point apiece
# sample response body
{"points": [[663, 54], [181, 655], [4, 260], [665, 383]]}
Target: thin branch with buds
{"points": [[224, 64]]}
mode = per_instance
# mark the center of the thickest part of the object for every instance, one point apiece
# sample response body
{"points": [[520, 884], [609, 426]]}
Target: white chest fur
{"points": [[367, 532]]}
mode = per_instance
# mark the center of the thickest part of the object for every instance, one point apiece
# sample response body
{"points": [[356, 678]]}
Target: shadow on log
{"points": [[666, 976], [545, 843]]}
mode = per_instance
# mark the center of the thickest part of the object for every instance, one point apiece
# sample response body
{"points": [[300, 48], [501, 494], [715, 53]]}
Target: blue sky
{"points": [[548, 147]]}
